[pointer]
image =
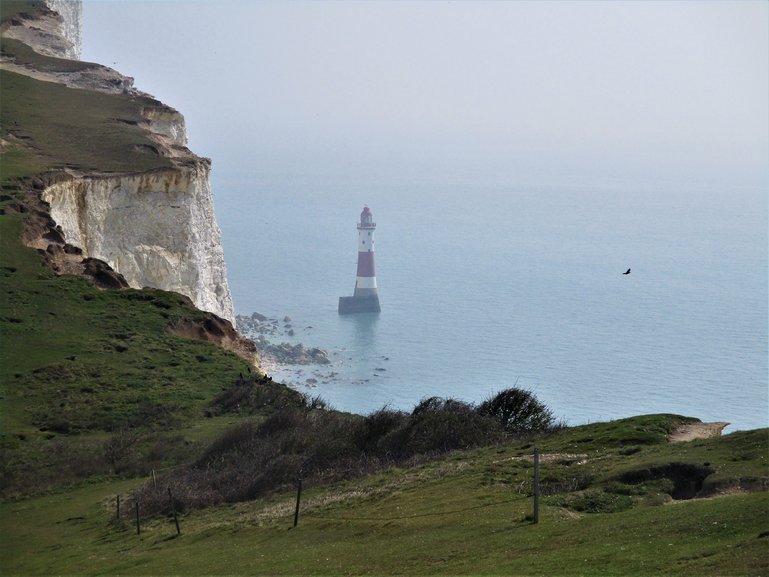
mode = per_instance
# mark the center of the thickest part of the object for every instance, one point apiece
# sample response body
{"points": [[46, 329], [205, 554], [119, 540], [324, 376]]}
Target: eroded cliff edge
{"points": [[156, 229], [154, 226]]}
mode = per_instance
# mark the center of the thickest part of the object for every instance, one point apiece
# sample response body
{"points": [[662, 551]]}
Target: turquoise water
{"points": [[487, 285]]}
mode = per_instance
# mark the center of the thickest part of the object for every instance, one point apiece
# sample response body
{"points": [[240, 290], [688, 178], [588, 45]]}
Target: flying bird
{"points": [[627, 271]]}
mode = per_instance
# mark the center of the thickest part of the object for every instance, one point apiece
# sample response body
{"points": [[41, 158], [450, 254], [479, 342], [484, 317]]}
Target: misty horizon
{"points": [[503, 90]]}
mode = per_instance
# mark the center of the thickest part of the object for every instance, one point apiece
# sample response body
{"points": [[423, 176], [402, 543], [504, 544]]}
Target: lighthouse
{"points": [[365, 299]]}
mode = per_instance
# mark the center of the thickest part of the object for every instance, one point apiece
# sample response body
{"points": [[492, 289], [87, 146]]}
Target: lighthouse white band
{"points": [[365, 282], [365, 240]]}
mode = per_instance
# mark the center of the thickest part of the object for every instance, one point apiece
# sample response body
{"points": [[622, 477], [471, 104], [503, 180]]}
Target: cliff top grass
{"points": [[24, 55], [66, 128]]}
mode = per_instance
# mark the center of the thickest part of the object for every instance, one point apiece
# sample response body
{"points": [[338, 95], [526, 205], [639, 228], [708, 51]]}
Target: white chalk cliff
{"points": [[157, 229]]}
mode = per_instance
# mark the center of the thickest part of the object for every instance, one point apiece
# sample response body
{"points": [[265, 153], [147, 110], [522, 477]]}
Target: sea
{"points": [[490, 285]]}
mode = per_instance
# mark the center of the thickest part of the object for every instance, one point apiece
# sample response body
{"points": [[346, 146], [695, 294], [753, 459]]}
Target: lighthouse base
{"points": [[352, 305]]}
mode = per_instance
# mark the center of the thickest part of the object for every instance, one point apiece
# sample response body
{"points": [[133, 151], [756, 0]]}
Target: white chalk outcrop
{"points": [[71, 14], [167, 122], [156, 229]]}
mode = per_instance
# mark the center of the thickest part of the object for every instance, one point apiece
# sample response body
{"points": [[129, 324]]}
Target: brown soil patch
{"points": [[692, 431], [216, 330]]}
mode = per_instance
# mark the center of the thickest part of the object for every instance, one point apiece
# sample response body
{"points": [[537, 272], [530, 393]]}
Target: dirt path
{"points": [[693, 431]]}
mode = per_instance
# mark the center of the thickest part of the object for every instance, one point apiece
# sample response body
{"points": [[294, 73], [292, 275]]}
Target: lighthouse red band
{"points": [[366, 264], [365, 298]]}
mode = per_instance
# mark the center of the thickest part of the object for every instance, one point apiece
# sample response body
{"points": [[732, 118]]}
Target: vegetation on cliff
{"points": [[82, 369], [304, 438]]}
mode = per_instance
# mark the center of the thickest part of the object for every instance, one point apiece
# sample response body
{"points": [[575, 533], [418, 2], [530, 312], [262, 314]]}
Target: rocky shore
{"points": [[262, 330]]}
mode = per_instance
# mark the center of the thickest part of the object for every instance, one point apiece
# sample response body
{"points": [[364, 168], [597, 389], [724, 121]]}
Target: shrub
{"points": [[257, 395], [250, 460], [120, 449], [518, 411], [232, 440], [439, 425], [298, 437], [375, 429]]}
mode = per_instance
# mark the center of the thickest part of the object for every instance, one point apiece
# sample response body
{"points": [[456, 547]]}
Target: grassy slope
{"points": [[17, 50], [464, 515], [77, 363], [84, 357], [76, 129]]}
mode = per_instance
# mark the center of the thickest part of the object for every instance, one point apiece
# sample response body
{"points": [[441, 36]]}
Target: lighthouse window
{"points": [[369, 234]]}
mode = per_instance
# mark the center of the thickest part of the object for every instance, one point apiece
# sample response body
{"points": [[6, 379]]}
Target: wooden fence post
{"points": [[173, 511], [138, 526], [154, 481], [298, 497], [536, 486], [117, 502]]}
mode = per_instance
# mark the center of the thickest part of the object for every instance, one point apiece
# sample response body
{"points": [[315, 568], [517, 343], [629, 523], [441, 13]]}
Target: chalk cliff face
{"points": [[157, 229], [71, 13], [169, 124]]}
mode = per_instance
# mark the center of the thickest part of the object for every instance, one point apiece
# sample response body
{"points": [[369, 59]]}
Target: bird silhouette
{"points": [[627, 271]]}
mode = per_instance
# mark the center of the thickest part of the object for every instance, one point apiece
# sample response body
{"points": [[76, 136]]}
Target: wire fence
{"points": [[524, 490]]}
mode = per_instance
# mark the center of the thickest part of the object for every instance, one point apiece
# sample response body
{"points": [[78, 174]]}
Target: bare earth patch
{"points": [[692, 431]]}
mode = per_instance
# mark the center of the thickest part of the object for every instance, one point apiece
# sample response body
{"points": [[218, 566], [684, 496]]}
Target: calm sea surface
{"points": [[483, 286]]}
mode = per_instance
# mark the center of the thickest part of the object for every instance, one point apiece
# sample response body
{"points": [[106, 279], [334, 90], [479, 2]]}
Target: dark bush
{"points": [[428, 405], [306, 440], [317, 403], [255, 395], [439, 425], [233, 439], [518, 411], [120, 449], [376, 427]]}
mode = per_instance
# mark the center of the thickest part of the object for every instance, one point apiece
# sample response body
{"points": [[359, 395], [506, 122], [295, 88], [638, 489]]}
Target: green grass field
{"points": [[466, 514]]}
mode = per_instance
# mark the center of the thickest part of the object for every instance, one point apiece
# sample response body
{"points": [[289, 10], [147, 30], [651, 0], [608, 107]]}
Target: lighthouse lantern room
{"points": [[365, 299]]}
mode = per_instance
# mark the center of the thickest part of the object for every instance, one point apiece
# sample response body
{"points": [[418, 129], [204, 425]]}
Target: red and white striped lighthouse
{"points": [[365, 299]]}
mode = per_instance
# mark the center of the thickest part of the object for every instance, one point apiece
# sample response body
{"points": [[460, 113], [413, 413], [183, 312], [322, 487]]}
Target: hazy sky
{"points": [[653, 89]]}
